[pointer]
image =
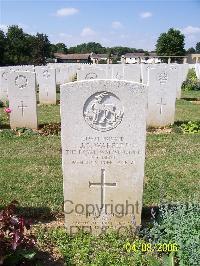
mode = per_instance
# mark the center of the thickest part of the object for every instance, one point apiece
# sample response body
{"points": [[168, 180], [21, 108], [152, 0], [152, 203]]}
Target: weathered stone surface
{"points": [[103, 125]]}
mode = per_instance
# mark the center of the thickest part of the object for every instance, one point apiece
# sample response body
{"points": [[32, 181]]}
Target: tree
{"points": [[191, 50], [88, 48], [61, 48], [198, 47], [16, 49], [171, 43], [41, 49], [2, 47]]}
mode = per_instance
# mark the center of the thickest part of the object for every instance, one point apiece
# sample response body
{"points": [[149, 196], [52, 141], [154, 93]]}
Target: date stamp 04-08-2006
{"points": [[148, 247]]}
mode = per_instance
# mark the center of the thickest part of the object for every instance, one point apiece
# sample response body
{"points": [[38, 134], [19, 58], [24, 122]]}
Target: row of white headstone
{"points": [[161, 85], [47, 77], [136, 73]]}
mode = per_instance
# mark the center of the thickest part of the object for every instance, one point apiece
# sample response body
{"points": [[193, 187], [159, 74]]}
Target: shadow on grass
{"points": [[50, 129], [179, 123], [4, 126], [36, 214], [148, 214], [46, 258], [191, 99]]}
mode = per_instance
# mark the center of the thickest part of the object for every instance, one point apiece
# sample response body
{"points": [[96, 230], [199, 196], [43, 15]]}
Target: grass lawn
{"points": [[31, 165]]}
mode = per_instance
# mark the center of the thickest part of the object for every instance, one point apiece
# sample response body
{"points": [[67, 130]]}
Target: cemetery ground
{"points": [[31, 174]]}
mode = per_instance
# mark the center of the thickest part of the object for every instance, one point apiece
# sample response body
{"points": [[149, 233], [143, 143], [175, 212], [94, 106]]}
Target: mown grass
{"points": [[31, 166], [188, 108]]}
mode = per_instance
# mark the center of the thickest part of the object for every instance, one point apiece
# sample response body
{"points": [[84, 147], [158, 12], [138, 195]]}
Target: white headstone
{"points": [[91, 73], [4, 84], [103, 125], [197, 70], [161, 97], [64, 74], [46, 78], [22, 100]]}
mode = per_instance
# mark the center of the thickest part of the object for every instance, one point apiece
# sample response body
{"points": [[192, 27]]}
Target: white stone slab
{"points": [[4, 84], [161, 97], [197, 70], [103, 125], [46, 78], [91, 73], [22, 100]]}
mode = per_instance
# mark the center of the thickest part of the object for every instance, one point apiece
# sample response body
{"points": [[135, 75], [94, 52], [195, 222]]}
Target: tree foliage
{"points": [[171, 43], [198, 47], [191, 50], [2, 47], [88, 48], [18, 48]]}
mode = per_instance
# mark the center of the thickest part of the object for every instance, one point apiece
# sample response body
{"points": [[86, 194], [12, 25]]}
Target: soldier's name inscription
{"points": [[103, 151]]}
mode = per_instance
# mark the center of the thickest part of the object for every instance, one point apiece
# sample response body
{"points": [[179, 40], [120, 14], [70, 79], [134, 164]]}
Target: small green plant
{"points": [[192, 82], [23, 131], [191, 127], [179, 224]]}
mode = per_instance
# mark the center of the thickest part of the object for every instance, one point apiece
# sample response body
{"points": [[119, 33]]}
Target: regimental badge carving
{"points": [[5, 75], [21, 81], [103, 111], [91, 76], [163, 77], [46, 74]]}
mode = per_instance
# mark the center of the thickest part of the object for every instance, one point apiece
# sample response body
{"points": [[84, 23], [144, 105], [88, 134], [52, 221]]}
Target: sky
{"points": [[132, 23]]}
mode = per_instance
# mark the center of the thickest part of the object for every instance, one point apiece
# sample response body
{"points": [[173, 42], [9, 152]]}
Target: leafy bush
{"points": [[16, 247], [106, 249], [181, 225], [192, 82], [191, 127]]}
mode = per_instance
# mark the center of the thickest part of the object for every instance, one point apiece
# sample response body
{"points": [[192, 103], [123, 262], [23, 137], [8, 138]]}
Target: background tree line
{"points": [[18, 47]]}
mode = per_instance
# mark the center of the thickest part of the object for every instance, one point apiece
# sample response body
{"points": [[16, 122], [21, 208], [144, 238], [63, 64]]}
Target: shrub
{"points": [[16, 248], [191, 127], [179, 224], [106, 249], [192, 82]]}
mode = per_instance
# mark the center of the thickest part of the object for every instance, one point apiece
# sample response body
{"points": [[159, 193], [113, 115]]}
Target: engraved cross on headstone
{"points": [[22, 107], [47, 92], [161, 105], [102, 184]]}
